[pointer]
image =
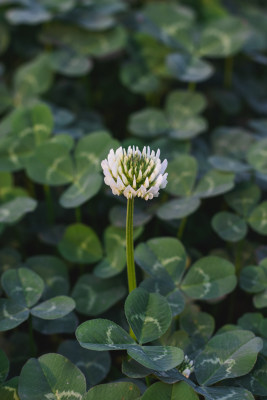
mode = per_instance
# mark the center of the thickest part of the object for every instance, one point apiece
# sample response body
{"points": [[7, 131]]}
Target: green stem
{"points": [[181, 228], [147, 381], [238, 256], [31, 338], [130, 246], [130, 251], [31, 188], [191, 86], [228, 72], [49, 204], [78, 214]]}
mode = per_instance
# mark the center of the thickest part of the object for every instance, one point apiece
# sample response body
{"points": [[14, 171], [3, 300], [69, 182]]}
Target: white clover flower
{"points": [[187, 367], [135, 173]]}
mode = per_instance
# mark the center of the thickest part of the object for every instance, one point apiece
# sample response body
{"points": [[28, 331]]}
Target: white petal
{"points": [[134, 182], [164, 166], [164, 181], [120, 184], [124, 179]]}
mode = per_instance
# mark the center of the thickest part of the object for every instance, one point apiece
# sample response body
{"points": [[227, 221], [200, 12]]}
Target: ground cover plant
{"points": [[180, 315]]}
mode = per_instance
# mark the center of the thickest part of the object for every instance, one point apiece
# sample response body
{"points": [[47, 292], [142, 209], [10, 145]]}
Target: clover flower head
{"points": [[187, 367], [134, 173]]}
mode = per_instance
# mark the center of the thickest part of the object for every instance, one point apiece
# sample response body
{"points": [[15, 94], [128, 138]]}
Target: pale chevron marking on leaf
{"points": [[54, 279], [170, 260], [233, 227], [253, 379], [156, 266], [9, 316], [31, 79], [264, 219], [224, 39], [16, 289], [40, 127], [173, 28], [60, 395], [51, 308], [13, 390], [160, 357], [90, 364], [156, 287], [230, 395], [83, 246], [118, 238], [25, 132], [147, 319], [30, 289], [4, 213], [174, 305], [182, 175], [200, 328], [13, 156], [109, 331], [230, 362], [213, 361], [261, 152], [91, 296], [210, 184], [206, 281], [91, 157], [53, 167]]}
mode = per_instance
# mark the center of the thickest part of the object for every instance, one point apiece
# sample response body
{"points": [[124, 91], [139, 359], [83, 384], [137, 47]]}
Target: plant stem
{"points": [[49, 204], [228, 72], [31, 188], [78, 214], [181, 228], [238, 257], [147, 381], [191, 86], [130, 246], [31, 338], [130, 251]]}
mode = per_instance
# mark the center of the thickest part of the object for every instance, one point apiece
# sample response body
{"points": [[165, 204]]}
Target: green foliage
{"points": [[77, 79]]}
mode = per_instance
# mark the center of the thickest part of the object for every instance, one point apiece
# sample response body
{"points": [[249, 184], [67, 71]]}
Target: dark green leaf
{"points": [[258, 218], [178, 208], [214, 183], [102, 334], [114, 391], [210, 277], [243, 198], [162, 258], [23, 286], [11, 314], [14, 210], [94, 364], [81, 190], [229, 226], [182, 172], [186, 68], [149, 122], [94, 295], [158, 358], [51, 375], [163, 391], [80, 244], [227, 355], [148, 314], [50, 164], [54, 308]]}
